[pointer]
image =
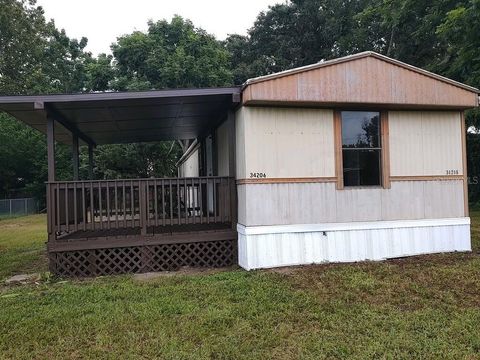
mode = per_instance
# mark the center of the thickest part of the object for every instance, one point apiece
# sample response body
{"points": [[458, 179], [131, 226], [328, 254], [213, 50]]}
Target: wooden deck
{"points": [[120, 226]]}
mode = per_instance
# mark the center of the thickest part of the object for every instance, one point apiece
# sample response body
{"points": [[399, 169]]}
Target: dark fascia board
{"points": [[38, 99]]}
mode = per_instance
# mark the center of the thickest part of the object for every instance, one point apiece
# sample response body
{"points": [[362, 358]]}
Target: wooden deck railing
{"points": [[138, 203]]}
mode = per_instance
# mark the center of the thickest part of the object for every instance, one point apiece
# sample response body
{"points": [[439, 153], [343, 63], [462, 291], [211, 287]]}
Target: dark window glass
{"points": [[361, 167], [361, 148], [360, 129]]}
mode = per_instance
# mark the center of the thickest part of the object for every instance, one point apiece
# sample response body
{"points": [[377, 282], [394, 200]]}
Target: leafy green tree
{"points": [[35, 57], [99, 73], [170, 55], [139, 160]]}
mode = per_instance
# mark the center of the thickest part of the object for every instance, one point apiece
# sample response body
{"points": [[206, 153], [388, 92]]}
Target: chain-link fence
{"points": [[18, 207]]}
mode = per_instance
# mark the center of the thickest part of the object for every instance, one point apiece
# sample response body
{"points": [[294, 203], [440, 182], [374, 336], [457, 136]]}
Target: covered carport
{"points": [[102, 226]]}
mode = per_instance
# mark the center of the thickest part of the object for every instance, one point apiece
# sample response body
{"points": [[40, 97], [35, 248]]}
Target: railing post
{"points": [[233, 202], [143, 207], [50, 213]]}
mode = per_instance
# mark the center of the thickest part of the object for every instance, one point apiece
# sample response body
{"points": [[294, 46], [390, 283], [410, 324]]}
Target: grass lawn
{"points": [[426, 307], [22, 245]]}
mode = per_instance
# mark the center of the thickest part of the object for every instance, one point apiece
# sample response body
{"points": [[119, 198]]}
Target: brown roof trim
{"points": [[355, 57], [119, 95]]}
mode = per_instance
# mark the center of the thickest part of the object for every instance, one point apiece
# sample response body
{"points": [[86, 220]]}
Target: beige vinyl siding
{"points": [[314, 203], [425, 143], [285, 142], [189, 168]]}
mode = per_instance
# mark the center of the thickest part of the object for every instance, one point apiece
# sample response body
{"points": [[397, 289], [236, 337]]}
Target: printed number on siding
{"points": [[452, 172], [258, 175]]}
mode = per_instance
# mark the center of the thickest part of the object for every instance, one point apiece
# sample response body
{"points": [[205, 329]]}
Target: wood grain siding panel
{"points": [[425, 143], [368, 80], [285, 89], [313, 203], [288, 142]]}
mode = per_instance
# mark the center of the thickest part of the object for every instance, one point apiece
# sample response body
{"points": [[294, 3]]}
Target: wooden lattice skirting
{"points": [[139, 259]]}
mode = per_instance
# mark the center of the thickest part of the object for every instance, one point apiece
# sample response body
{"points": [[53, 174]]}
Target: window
{"points": [[361, 148]]}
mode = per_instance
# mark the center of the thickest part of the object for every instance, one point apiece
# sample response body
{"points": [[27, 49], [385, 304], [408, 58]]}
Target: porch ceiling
{"points": [[108, 118]]}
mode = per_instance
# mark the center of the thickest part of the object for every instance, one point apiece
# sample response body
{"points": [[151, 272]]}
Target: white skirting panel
{"points": [[286, 245]]}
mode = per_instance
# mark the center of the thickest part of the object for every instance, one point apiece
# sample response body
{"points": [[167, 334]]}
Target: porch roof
{"points": [[126, 117]]}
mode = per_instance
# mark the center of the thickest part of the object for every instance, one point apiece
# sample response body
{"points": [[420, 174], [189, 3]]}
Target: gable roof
{"points": [[396, 81], [359, 56]]}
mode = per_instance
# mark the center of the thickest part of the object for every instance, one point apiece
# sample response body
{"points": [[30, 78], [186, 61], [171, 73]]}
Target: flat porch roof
{"points": [[126, 117]]}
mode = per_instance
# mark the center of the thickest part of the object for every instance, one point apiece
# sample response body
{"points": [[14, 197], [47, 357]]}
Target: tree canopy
{"points": [[170, 55]]}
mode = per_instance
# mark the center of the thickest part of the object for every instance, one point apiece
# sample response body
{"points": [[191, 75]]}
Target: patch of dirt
{"points": [[186, 270]]}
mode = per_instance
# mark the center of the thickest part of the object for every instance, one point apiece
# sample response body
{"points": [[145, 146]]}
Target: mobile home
{"points": [[357, 158]]}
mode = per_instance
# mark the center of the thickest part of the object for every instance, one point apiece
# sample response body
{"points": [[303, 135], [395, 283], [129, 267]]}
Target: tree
{"points": [[170, 55], [293, 34], [139, 160], [35, 57]]}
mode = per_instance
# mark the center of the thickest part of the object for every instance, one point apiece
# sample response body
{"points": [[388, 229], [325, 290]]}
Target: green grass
{"points": [[22, 245], [420, 307]]}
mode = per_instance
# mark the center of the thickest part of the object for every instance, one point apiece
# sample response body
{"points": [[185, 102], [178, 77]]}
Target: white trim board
{"points": [[370, 225], [348, 242]]}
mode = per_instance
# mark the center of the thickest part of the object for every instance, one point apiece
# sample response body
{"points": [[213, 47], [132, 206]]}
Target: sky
{"points": [[102, 21]]}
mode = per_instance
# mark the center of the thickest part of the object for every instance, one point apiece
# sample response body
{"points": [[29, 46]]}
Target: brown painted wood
{"points": [[85, 244], [337, 132], [100, 208], [427, 178], [286, 180], [385, 144], [84, 212], [92, 208], [75, 214], [143, 207], [132, 203], [124, 204], [57, 208], [103, 213], [361, 78], [108, 206], [51, 148]]}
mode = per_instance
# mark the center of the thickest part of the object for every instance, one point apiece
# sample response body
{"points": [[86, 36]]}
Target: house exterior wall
{"points": [[425, 143], [285, 142], [313, 203], [294, 148]]}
